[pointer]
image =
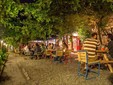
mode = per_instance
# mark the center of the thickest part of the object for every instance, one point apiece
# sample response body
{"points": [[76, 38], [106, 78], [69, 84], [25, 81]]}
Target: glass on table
{"points": [[102, 47]]}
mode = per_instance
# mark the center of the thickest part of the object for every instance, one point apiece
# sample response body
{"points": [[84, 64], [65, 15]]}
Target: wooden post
{"points": [[109, 65]]}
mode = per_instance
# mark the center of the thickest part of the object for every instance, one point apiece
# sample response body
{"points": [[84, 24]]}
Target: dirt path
{"points": [[12, 73], [21, 70]]}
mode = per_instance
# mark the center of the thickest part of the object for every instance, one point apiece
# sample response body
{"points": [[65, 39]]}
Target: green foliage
{"points": [[3, 55], [24, 22], [43, 18], [97, 8], [84, 32], [27, 21]]}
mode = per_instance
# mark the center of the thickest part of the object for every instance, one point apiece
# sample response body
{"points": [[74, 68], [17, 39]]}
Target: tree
{"points": [[94, 11], [24, 21], [100, 9]]}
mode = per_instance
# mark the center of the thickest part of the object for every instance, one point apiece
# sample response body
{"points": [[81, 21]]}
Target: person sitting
{"points": [[49, 46], [38, 51], [26, 50], [91, 45], [110, 46], [32, 50], [57, 50]]}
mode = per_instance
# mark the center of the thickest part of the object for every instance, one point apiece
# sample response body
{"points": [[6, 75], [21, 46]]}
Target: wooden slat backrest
{"points": [[48, 52], [68, 52], [59, 53], [82, 56]]}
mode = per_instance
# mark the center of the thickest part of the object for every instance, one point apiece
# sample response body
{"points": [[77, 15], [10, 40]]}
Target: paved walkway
{"points": [[20, 70], [12, 72]]}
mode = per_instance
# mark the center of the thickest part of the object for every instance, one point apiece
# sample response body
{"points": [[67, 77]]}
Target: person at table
{"points": [[50, 46], [58, 58], [110, 46], [65, 46], [91, 45]]}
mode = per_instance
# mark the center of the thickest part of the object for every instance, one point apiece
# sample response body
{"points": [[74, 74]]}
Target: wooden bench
{"points": [[106, 62], [109, 62]]}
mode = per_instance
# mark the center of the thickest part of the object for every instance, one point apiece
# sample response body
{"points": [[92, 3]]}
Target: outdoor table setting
{"points": [[73, 54], [105, 59]]}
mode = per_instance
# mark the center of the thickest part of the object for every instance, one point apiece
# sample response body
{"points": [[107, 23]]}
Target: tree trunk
{"points": [[99, 34], [99, 24]]}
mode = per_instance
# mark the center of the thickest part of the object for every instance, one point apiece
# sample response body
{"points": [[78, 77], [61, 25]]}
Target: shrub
{"points": [[3, 55]]}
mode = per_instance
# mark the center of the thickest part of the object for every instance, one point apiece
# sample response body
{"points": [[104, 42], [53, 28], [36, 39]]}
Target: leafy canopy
{"points": [[40, 19], [27, 21]]}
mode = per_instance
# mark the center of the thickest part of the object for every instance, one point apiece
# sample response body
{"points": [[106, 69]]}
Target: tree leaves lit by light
{"points": [[32, 19]]}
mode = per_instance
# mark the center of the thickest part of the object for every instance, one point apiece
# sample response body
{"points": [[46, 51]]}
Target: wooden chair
{"points": [[47, 53], [83, 58], [67, 56], [58, 55]]}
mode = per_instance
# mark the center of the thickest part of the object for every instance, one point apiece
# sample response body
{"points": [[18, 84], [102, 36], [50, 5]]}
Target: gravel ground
{"points": [[20, 70]]}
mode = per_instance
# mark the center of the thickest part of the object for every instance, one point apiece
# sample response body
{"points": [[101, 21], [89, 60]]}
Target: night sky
{"points": [[27, 1]]}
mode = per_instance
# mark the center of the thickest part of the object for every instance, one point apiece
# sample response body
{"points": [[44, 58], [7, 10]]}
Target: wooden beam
{"points": [[104, 61], [109, 65]]}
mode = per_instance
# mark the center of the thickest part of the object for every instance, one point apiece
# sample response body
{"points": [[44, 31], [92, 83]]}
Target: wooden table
{"points": [[74, 55], [101, 51], [106, 59]]}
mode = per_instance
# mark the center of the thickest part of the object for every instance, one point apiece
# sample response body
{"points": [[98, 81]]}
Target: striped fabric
{"points": [[90, 45]]}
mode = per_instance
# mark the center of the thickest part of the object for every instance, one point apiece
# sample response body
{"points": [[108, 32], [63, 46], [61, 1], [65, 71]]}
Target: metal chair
{"points": [[83, 58]]}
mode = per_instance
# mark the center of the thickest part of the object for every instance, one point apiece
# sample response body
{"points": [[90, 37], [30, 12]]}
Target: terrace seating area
{"points": [[45, 72], [65, 56]]}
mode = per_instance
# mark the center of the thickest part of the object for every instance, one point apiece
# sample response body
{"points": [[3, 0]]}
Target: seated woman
{"points": [[58, 54], [26, 50]]}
